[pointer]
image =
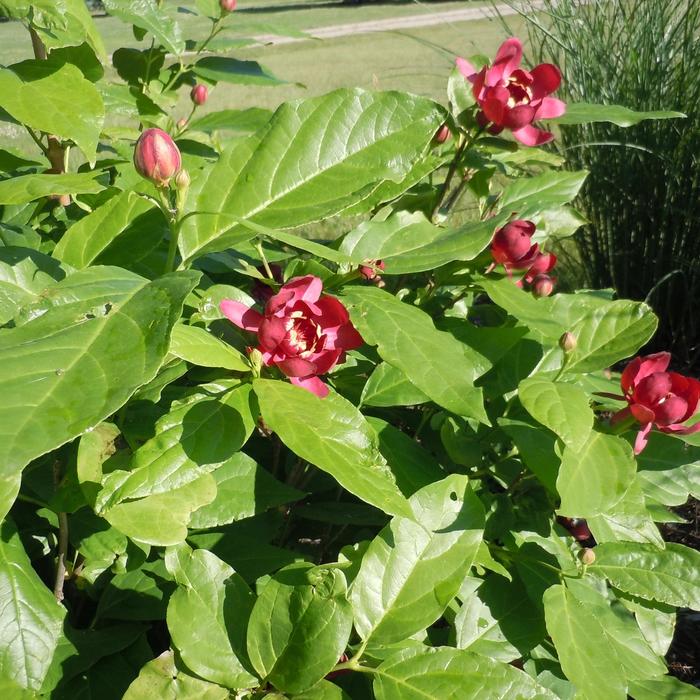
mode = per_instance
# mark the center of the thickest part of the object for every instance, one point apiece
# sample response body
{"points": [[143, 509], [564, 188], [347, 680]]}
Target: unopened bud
{"points": [[586, 556], [199, 94], [181, 123], [567, 342], [156, 157], [542, 286], [182, 180], [369, 271], [442, 134], [256, 361], [227, 5]]}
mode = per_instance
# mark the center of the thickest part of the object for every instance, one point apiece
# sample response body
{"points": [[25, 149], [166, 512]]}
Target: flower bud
{"points": [[182, 180], [369, 271], [586, 556], [156, 157], [542, 286], [181, 123], [227, 5], [199, 94], [442, 134], [567, 342]]}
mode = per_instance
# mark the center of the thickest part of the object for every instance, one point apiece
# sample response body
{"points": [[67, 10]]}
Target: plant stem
{"points": [[62, 541], [172, 246], [261, 253]]}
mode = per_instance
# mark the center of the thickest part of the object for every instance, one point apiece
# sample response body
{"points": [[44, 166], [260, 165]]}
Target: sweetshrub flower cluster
{"points": [[512, 98], [301, 332], [658, 398], [512, 247]]}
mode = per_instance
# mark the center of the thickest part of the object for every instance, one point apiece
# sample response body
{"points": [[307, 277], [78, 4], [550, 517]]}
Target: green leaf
{"points": [[499, 621], [57, 22], [586, 113], [389, 386], [243, 489], [27, 188], [198, 346], [103, 334], [663, 689], [594, 477], [444, 673], [221, 69], [245, 120], [586, 655], [413, 466], [299, 626], [323, 690], [86, 239], [30, 617], [338, 440], [670, 575], [24, 275], [160, 679], [147, 15], [434, 361], [409, 243], [208, 615], [530, 195], [563, 408], [162, 519], [56, 100], [415, 566], [306, 164]]}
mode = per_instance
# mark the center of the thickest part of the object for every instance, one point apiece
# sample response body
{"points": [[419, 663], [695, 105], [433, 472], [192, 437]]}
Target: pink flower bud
{"points": [[542, 286], [567, 342], [199, 94], [156, 157], [369, 272], [227, 5], [442, 134]]}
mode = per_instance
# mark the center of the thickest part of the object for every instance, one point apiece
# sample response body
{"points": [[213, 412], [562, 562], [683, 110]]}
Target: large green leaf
{"points": [[409, 243], [148, 15], [161, 679], [83, 242], [663, 689], [586, 654], [208, 615], [243, 489], [222, 69], [299, 626], [198, 346], [30, 617], [563, 408], [58, 101], [27, 188], [314, 158], [333, 435], [103, 333], [670, 575], [594, 477], [415, 566], [585, 113], [194, 438], [24, 275], [434, 361], [527, 196], [389, 386], [444, 673]]}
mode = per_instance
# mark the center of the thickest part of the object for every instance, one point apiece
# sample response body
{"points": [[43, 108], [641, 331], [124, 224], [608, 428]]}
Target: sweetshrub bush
{"points": [[236, 462]]}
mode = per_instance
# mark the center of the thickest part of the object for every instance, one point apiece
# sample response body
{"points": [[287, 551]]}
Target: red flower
{"points": [[513, 98], [301, 332], [512, 247], [658, 398]]}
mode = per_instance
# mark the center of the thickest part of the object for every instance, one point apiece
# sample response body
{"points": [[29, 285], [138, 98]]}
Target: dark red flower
{"points": [[658, 398], [301, 332], [511, 245], [513, 98]]}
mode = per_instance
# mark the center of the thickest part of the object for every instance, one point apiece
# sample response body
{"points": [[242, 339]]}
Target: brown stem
{"points": [[37, 45], [62, 541]]}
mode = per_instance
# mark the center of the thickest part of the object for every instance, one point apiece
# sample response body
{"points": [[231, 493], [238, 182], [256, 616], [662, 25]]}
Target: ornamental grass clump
{"points": [[643, 196]]}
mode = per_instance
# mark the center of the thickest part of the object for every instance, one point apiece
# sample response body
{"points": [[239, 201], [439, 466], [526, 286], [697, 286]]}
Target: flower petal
{"points": [[532, 136], [507, 60], [297, 367], [550, 108], [312, 384], [642, 367], [241, 315], [642, 438], [642, 413], [271, 333], [546, 78], [518, 117], [466, 69]]}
